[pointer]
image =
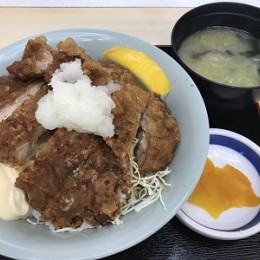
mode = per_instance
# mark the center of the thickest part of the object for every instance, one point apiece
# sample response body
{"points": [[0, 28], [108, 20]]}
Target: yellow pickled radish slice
{"points": [[142, 66]]}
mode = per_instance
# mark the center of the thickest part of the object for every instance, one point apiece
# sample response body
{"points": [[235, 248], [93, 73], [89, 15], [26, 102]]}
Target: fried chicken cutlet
{"points": [[159, 136], [13, 93], [75, 177], [20, 131], [37, 56]]}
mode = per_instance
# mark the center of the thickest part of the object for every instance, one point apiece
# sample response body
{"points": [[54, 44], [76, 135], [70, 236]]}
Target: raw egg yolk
{"points": [[220, 189]]}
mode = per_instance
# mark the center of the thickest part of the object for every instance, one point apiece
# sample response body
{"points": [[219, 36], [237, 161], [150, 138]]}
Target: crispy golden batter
{"points": [[10, 89], [130, 103], [20, 131], [159, 136], [146, 114], [68, 51], [37, 56], [13, 93], [75, 177]]}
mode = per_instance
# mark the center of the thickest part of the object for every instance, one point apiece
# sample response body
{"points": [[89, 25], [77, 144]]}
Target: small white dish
{"points": [[235, 223]]}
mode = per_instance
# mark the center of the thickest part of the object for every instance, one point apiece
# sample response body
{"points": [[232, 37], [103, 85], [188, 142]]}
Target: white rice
{"points": [[74, 103]]}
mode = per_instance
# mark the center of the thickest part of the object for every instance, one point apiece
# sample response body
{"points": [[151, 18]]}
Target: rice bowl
{"points": [[186, 102]]}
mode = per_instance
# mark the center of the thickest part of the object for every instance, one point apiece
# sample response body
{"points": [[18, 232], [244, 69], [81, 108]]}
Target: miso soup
{"points": [[223, 55]]}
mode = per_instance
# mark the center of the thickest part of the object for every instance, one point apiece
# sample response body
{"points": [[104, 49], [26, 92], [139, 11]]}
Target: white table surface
{"points": [[153, 25]]}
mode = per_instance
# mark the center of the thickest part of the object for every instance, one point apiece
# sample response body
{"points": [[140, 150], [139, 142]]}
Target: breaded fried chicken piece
{"points": [[136, 110], [159, 136], [9, 86], [130, 103], [102, 72], [75, 177], [13, 93], [70, 47], [20, 131], [37, 56], [40, 61], [68, 51]]}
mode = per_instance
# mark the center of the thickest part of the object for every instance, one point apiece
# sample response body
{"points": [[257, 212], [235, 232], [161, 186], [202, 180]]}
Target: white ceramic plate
{"points": [[19, 239], [227, 147]]}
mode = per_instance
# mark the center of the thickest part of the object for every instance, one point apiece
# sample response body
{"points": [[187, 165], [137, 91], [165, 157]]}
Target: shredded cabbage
{"points": [[145, 189], [35, 219]]}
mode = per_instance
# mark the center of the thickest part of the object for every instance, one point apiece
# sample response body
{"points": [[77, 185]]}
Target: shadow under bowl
{"points": [[223, 14]]}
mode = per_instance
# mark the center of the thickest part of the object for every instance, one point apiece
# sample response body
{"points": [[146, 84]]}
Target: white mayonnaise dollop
{"points": [[13, 205]]}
